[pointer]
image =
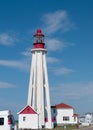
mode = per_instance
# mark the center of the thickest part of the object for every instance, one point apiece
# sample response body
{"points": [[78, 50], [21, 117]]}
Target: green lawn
{"points": [[67, 127]]}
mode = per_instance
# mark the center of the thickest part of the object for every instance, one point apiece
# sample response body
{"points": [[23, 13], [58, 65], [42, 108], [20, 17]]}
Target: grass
{"points": [[67, 127]]}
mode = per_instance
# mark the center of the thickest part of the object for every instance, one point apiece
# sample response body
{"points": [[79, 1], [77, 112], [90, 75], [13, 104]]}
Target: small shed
{"points": [[28, 118]]}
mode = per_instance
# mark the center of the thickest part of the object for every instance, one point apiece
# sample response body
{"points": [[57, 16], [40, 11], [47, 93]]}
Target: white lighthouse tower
{"points": [[38, 93]]}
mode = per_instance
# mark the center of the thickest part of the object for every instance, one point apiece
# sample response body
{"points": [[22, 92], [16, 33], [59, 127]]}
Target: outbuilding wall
{"points": [[61, 114], [28, 121]]}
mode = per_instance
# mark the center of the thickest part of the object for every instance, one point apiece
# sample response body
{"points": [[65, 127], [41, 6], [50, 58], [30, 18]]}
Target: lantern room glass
{"points": [[38, 39]]}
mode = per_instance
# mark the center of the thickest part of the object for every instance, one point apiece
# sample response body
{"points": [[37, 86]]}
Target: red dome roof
{"points": [[39, 33]]}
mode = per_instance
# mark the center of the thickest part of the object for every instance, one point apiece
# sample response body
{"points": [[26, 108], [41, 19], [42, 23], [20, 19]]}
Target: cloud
{"points": [[27, 52], [80, 88], [22, 64], [11, 63], [52, 60], [76, 91], [54, 44], [49, 59], [62, 71], [57, 21], [6, 39], [6, 85]]}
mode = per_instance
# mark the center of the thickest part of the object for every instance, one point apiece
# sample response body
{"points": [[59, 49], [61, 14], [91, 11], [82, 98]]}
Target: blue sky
{"points": [[68, 29]]}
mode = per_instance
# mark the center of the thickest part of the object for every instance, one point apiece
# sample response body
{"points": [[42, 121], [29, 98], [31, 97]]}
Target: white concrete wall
{"points": [[30, 122], [88, 118], [60, 113], [85, 124]]}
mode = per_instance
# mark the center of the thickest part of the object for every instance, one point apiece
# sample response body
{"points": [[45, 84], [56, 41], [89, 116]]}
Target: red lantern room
{"points": [[39, 39]]}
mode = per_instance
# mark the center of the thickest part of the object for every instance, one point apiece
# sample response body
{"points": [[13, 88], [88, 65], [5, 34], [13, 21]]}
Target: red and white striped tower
{"points": [[38, 94]]}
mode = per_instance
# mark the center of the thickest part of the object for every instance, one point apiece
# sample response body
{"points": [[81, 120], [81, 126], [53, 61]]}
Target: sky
{"points": [[68, 29]]}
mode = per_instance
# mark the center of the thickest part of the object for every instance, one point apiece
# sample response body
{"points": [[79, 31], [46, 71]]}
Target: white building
{"points": [[64, 114], [87, 119], [28, 118]]}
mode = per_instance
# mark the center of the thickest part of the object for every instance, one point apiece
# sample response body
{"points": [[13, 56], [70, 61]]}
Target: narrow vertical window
{"points": [[24, 118]]}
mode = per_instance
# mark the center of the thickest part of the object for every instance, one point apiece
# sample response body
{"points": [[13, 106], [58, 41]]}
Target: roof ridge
{"points": [[63, 105]]}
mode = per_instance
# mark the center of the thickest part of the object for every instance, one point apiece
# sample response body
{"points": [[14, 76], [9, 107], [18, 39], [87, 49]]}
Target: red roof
{"points": [[62, 106], [75, 115], [39, 33], [27, 110]]}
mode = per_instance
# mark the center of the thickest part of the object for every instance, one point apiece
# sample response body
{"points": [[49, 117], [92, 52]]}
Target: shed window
{"points": [[1, 121], [24, 118], [65, 118]]}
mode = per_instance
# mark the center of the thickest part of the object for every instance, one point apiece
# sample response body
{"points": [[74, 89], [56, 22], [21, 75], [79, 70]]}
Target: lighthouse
{"points": [[38, 93]]}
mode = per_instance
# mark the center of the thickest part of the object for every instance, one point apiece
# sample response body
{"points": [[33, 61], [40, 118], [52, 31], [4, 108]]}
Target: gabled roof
{"points": [[88, 113], [27, 110], [62, 106]]}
